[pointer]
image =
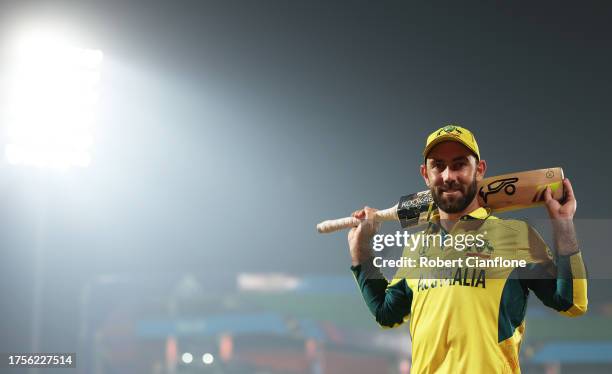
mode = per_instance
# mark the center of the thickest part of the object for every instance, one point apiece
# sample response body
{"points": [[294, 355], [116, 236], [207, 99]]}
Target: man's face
{"points": [[452, 173]]}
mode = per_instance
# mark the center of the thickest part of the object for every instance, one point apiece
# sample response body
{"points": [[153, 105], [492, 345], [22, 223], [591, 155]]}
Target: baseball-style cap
{"points": [[455, 133]]}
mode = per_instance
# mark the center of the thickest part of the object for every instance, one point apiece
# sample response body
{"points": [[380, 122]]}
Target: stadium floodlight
{"points": [[50, 102]]}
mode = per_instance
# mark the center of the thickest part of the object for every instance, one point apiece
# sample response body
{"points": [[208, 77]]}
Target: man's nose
{"points": [[449, 175]]}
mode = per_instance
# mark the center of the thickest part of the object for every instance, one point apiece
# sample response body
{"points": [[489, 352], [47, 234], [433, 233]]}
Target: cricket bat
{"points": [[501, 193]]}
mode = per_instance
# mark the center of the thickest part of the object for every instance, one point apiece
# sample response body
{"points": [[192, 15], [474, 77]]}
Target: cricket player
{"points": [[473, 320]]}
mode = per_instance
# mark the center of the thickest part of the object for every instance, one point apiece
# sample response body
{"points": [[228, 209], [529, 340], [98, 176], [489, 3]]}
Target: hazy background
{"points": [[226, 130]]}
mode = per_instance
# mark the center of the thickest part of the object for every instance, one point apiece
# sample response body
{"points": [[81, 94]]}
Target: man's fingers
{"points": [[547, 195], [370, 219], [369, 213], [569, 191], [359, 214], [366, 214], [551, 203]]}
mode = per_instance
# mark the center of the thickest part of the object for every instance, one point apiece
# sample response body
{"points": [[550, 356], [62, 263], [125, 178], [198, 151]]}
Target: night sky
{"points": [[226, 130]]}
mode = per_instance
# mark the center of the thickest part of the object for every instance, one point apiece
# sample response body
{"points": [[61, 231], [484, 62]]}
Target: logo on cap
{"points": [[448, 129]]}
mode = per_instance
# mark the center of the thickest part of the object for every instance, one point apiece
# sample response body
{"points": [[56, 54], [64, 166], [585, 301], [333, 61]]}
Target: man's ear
{"points": [[481, 169], [424, 174]]}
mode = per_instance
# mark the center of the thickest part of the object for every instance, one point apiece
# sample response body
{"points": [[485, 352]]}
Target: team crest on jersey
{"points": [[484, 250]]}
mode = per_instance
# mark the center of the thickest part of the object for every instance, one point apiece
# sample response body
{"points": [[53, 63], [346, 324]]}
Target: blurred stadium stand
{"points": [[275, 323]]}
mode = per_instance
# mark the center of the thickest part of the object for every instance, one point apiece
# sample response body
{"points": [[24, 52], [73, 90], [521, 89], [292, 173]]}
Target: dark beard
{"points": [[455, 205]]}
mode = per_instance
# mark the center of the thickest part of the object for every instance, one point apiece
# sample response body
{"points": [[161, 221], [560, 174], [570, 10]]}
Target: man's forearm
{"points": [[564, 237], [389, 303], [362, 254]]}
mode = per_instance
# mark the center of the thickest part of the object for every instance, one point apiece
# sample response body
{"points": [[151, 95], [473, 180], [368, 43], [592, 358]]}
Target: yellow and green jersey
{"points": [[472, 319]]}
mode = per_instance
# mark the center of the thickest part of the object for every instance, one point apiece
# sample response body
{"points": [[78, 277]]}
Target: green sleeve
{"points": [[389, 303], [561, 286]]}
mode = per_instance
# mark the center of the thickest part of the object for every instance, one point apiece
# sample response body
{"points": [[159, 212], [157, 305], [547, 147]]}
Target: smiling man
{"points": [[471, 320]]}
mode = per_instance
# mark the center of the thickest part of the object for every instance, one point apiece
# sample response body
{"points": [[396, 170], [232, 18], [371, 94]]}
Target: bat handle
{"points": [[332, 225]]}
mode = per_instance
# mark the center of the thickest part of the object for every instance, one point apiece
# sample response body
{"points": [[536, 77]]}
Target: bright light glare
{"points": [[51, 99], [207, 358], [187, 357]]}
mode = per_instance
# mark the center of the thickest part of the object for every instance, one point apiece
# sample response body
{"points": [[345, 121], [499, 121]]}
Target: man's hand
{"points": [[561, 216], [558, 211], [360, 237]]}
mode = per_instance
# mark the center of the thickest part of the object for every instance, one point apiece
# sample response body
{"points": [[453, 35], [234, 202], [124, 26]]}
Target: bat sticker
{"points": [[507, 185], [541, 191]]}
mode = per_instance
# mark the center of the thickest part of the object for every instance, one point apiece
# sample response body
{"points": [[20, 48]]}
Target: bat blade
{"points": [[500, 193]]}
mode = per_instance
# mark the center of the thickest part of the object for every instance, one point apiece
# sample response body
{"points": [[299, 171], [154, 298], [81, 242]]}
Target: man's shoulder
{"points": [[518, 225], [516, 234]]}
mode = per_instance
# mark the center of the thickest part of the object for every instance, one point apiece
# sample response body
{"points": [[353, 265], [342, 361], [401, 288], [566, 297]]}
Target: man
{"points": [[472, 320]]}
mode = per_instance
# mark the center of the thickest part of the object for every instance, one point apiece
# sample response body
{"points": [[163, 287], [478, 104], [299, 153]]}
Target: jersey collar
{"points": [[480, 213]]}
